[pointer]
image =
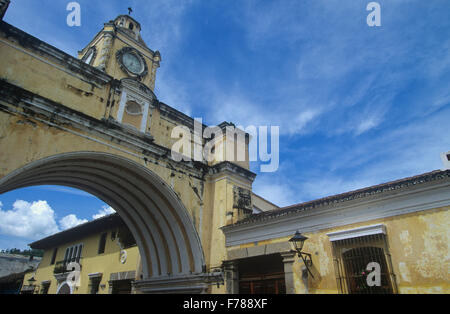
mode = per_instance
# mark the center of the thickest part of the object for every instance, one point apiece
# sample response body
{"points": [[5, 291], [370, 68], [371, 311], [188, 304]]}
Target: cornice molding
{"points": [[229, 168], [410, 200], [21, 102]]}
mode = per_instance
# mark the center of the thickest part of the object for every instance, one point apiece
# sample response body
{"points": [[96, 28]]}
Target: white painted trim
{"points": [[95, 275], [144, 117], [357, 232], [123, 102]]}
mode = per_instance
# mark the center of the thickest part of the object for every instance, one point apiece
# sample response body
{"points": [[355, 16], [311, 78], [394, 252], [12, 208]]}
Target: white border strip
{"points": [[357, 232]]}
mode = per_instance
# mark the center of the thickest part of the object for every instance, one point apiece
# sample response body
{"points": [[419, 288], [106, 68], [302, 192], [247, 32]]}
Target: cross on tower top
{"points": [[130, 10]]}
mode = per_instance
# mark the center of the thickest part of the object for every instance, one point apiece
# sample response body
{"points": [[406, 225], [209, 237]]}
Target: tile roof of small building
{"points": [[348, 196]]}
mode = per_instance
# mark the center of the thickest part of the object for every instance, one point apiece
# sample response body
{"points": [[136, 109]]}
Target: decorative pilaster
{"points": [[231, 277], [288, 261], [105, 52]]}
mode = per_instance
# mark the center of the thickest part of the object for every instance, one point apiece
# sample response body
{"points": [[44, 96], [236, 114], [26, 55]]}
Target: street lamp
{"points": [[298, 240]]}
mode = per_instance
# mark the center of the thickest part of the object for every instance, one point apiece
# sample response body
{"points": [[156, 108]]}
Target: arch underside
{"points": [[169, 245]]}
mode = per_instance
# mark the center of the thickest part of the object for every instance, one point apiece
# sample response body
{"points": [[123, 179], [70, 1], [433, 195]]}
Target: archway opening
{"points": [[169, 245]]}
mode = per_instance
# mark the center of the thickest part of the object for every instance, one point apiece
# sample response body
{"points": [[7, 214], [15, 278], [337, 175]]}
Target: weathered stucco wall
{"points": [[91, 263], [46, 77], [418, 244]]}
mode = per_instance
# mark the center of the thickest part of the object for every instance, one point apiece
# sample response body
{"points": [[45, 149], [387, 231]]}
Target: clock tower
{"points": [[119, 51]]}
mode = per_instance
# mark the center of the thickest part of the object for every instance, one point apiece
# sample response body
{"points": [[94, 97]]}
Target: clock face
{"points": [[133, 63]]}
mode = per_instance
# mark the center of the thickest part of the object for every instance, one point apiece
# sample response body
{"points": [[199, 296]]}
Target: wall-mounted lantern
{"points": [[298, 240]]}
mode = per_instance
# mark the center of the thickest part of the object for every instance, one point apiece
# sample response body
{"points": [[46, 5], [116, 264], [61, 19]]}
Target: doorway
{"points": [[262, 275], [121, 286]]}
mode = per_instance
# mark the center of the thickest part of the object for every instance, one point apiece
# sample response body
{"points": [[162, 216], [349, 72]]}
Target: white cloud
{"points": [[276, 187], [106, 210], [366, 125], [37, 220], [300, 122], [71, 221], [293, 117], [28, 220], [173, 93]]}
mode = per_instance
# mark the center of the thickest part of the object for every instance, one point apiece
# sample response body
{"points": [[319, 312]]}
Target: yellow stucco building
{"points": [[94, 123], [105, 251]]}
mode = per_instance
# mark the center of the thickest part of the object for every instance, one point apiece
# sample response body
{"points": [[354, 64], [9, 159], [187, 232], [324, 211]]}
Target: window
{"points": [[262, 275], [45, 287], [353, 250], [126, 238], [55, 251], [73, 254], [94, 285], [90, 55], [121, 286], [355, 262], [102, 244]]}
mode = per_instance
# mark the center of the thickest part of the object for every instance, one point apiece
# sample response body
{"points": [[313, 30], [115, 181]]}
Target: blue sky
{"points": [[356, 105]]}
